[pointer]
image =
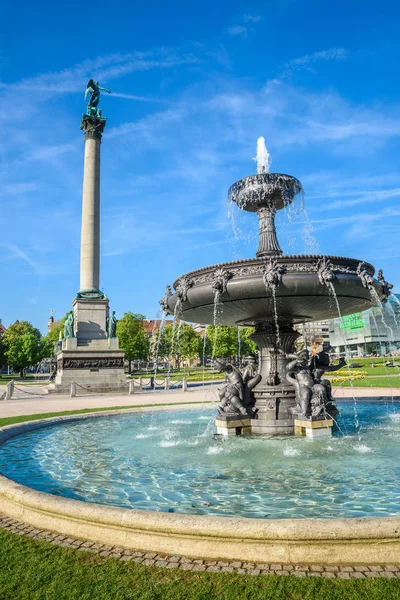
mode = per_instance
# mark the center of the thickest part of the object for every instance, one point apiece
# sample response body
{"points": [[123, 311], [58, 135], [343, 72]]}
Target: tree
{"points": [[247, 346], [53, 336], [23, 346], [2, 353], [180, 341], [186, 344], [132, 337], [205, 348], [224, 340]]}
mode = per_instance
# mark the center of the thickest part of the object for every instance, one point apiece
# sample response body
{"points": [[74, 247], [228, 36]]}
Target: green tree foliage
{"points": [[205, 348], [181, 341], [23, 346], [2, 352], [223, 340], [187, 341], [132, 337], [247, 346], [52, 336]]}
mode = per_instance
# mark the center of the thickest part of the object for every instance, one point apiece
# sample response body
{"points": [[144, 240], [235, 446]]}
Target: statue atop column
{"points": [[94, 88]]}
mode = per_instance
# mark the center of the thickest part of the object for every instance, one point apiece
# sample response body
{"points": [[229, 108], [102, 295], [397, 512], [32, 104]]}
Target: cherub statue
{"points": [[235, 396], [313, 394], [386, 287], [164, 301]]}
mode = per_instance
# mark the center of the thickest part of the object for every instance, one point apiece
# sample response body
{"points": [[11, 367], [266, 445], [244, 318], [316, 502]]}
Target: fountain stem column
{"points": [[268, 244], [274, 395], [90, 231]]}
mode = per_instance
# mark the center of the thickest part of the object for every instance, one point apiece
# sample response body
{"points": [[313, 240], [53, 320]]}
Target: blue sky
{"points": [[194, 85]]}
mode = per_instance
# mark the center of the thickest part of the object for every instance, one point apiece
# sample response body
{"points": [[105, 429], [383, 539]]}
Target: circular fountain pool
{"points": [[170, 462]]}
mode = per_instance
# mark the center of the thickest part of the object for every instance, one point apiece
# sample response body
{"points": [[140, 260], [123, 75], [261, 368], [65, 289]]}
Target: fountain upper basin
{"points": [[300, 296], [272, 190]]}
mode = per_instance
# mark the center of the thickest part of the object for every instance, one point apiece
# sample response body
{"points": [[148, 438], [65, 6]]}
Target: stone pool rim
{"points": [[341, 541]]}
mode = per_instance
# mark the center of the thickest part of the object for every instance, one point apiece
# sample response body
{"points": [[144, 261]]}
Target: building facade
{"points": [[374, 331]]}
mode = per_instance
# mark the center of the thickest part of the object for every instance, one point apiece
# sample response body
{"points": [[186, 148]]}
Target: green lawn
{"points": [[381, 370], [36, 570], [386, 382], [377, 360]]}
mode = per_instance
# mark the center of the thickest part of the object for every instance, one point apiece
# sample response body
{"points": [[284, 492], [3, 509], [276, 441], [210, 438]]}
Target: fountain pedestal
{"points": [[228, 425], [275, 397], [313, 427]]}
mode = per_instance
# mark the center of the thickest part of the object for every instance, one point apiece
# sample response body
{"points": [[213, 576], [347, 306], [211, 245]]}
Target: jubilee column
{"points": [[90, 356]]}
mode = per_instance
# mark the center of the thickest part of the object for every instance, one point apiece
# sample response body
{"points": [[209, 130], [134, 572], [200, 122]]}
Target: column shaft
{"points": [[90, 232]]}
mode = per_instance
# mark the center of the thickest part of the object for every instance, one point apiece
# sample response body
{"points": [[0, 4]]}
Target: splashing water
{"points": [[262, 158], [378, 303], [278, 336], [177, 311], [239, 346], [377, 300], [217, 314], [157, 348], [204, 353], [356, 420]]}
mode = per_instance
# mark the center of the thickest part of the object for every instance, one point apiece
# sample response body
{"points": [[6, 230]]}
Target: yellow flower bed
{"points": [[350, 376], [341, 379]]}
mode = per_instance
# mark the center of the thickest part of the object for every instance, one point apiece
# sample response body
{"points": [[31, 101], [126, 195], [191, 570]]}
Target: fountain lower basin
{"points": [[300, 295], [318, 541]]}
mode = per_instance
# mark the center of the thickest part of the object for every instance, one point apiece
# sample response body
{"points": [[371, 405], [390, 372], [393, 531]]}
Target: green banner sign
{"points": [[352, 322]]}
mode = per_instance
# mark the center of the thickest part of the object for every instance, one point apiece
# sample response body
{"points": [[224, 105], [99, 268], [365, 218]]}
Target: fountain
{"points": [[155, 479], [273, 292]]}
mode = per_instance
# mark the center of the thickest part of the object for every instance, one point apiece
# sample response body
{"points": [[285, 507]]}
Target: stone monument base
{"points": [[313, 427], [95, 365]]}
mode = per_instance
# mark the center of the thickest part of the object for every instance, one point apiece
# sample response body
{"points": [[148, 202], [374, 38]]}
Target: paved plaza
{"points": [[33, 399]]}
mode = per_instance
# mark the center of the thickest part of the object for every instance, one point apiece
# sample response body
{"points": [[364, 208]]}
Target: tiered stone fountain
{"points": [[272, 292]]}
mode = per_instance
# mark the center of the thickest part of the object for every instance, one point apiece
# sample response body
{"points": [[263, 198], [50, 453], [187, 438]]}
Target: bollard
{"points": [[73, 389], [166, 384], [152, 383], [184, 384], [9, 390], [140, 383], [131, 387]]}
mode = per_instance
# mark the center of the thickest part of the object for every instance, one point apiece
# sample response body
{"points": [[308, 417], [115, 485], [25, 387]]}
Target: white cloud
{"points": [[305, 62], [252, 18], [237, 30], [107, 67]]}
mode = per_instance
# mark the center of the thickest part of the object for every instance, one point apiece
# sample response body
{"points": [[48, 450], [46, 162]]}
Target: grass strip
{"points": [[36, 570]]}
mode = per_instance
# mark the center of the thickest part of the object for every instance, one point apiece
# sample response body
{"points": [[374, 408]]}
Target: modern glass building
{"points": [[372, 331]]}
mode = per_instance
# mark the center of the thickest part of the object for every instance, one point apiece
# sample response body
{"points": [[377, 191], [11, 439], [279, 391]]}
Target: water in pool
{"points": [[170, 461]]}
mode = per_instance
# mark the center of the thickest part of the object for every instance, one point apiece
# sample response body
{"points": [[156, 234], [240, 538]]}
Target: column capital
{"points": [[93, 127]]}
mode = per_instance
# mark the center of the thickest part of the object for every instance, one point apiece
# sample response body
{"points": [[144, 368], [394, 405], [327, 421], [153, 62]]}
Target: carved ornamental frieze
{"points": [[91, 363], [324, 267]]}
